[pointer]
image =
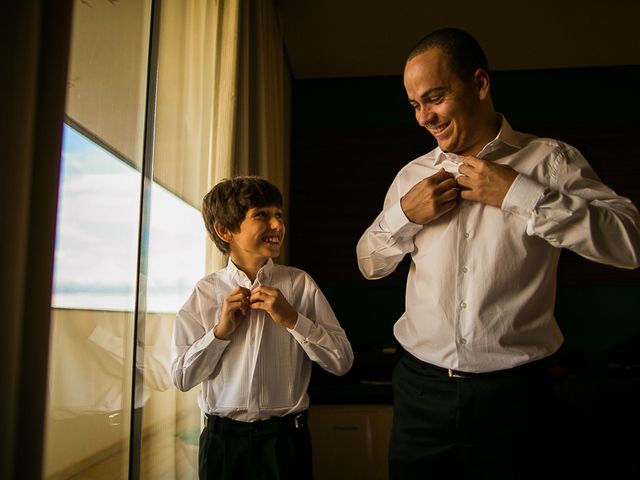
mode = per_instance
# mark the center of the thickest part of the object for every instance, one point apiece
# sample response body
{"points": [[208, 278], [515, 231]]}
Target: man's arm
{"points": [[390, 236], [575, 211]]}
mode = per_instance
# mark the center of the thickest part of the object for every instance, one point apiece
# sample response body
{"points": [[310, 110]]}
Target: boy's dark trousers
{"points": [[275, 449]]}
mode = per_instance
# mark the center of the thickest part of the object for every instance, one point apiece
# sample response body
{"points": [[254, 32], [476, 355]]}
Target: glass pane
{"points": [[95, 266], [176, 261], [176, 257], [93, 302]]}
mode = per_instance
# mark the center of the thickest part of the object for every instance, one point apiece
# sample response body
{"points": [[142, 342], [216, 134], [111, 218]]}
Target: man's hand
{"points": [[273, 302], [234, 310], [430, 198], [484, 181]]}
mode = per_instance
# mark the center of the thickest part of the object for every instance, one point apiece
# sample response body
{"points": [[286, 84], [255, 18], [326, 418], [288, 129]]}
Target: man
{"points": [[484, 217]]}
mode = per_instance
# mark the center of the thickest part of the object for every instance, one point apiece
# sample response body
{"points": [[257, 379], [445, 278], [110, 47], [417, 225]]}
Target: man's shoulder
{"points": [[527, 139]]}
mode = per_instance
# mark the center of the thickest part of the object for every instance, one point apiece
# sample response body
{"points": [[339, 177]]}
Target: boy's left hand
{"points": [[273, 302]]}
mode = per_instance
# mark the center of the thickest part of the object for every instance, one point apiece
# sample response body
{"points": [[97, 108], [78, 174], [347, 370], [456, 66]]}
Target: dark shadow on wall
{"points": [[349, 139]]}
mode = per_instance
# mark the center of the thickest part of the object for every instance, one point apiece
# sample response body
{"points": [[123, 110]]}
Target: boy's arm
{"points": [[318, 332], [196, 351]]}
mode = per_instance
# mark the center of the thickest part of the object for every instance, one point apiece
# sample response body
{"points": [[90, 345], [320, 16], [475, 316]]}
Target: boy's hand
{"points": [[271, 301], [234, 309]]}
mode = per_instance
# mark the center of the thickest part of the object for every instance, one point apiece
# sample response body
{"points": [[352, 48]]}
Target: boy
{"points": [[248, 333]]}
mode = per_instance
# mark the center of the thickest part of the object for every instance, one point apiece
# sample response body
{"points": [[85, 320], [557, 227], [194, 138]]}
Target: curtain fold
{"points": [[223, 98]]}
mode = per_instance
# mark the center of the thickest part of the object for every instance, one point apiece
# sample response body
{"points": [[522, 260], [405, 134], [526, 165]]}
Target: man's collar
{"points": [[506, 135]]}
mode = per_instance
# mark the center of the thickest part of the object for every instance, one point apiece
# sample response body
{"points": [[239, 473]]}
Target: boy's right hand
{"points": [[234, 309]]}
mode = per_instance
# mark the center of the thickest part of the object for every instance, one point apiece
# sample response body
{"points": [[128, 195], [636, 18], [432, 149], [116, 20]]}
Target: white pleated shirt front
{"points": [[264, 369]]}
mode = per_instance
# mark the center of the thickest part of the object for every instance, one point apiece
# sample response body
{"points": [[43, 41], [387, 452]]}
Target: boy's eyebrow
{"points": [[267, 207]]}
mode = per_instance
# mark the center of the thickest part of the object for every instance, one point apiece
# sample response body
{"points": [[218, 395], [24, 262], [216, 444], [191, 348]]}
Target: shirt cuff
{"points": [[396, 222], [302, 329], [523, 196], [210, 337]]}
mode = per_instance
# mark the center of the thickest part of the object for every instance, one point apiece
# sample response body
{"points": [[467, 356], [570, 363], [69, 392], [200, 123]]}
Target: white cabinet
{"points": [[350, 442]]}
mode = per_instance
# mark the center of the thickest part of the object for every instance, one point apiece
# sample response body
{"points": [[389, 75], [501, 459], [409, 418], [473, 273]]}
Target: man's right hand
{"points": [[430, 198], [234, 309]]}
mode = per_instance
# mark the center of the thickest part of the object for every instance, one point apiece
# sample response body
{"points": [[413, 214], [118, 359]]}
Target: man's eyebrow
{"points": [[429, 93], [433, 91]]}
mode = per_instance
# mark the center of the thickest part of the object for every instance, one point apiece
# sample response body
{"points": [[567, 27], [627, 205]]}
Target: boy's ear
{"points": [[223, 232]]}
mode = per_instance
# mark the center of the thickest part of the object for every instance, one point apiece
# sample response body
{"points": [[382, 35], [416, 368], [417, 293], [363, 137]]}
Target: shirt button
{"points": [[465, 269], [463, 341], [466, 235], [463, 305]]}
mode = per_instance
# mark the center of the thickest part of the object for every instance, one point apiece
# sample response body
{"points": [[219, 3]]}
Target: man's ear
{"points": [[482, 82], [223, 232]]}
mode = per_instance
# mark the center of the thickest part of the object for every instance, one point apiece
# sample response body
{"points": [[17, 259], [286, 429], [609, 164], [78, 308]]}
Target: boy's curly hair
{"points": [[228, 202]]}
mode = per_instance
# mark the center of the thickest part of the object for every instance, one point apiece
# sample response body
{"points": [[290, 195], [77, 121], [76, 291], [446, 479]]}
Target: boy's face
{"points": [[260, 236]]}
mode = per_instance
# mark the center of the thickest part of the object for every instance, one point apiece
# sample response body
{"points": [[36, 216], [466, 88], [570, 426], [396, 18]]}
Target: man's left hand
{"points": [[484, 181]]}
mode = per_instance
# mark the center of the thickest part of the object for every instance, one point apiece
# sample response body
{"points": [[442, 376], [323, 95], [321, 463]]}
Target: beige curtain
{"points": [[222, 109], [223, 98], [223, 91]]}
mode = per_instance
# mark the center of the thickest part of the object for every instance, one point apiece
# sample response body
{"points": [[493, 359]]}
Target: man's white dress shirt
{"points": [[263, 370], [481, 286]]}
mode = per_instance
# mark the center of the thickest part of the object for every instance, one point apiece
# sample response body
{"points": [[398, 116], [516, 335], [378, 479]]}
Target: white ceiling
{"points": [[351, 38]]}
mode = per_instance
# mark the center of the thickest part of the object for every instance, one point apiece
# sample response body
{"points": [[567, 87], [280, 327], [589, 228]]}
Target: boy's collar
{"points": [[263, 276]]}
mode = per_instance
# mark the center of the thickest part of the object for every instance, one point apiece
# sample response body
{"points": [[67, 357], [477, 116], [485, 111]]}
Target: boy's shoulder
{"points": [[288, 268], [294, 273], [209, 279]]}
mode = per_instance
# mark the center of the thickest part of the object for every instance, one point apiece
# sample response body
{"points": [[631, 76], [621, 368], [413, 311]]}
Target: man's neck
{"points": [[492, 127]]}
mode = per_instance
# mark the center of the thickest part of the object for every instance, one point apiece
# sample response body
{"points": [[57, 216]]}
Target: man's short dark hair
{"points": [[228, 202], [463, 52]]}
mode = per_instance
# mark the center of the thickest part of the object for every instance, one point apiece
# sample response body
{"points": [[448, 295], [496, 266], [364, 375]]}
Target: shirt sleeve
{"points": [[389, 238], [196, 351], [577, 211], [319, 334]]}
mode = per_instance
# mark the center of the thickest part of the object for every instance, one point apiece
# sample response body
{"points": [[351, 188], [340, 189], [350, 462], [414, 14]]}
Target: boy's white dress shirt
{"points": [[263, 370]]}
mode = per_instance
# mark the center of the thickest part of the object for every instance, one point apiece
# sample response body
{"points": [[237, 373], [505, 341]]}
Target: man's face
{"points": [[445, 105]]}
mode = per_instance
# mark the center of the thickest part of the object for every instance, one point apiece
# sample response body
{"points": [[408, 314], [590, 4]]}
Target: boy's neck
{"points": [[250, 268]]}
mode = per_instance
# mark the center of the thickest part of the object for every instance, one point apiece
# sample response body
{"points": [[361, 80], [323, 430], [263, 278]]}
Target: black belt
{"points": [[274, 425], [532, 368]]}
